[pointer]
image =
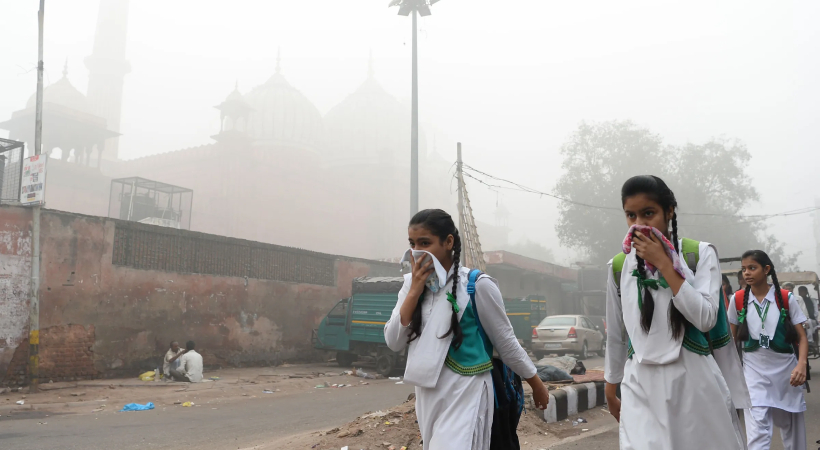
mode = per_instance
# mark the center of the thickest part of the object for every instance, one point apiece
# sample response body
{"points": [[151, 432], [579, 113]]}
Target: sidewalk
{"points": [[224, 384]]}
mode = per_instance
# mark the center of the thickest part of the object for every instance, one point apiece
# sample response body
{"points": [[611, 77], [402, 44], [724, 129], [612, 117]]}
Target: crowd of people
{"points": [[692, 356]]}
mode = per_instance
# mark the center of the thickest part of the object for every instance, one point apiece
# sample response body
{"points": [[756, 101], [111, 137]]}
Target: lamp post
{"points": [[416, 7]]}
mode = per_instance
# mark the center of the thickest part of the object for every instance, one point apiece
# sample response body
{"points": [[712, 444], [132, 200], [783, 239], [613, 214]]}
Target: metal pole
{"points": [[34, 300], [460, 192], [414, 128]]}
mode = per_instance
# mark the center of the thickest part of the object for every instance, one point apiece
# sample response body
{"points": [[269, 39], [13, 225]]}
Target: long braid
{"points": [[791, 332], [455, 326], [743, 330], [648, 307], [677, 322]]}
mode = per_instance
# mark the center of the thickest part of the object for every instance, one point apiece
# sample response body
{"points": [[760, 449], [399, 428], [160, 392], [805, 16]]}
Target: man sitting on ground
{"points": [[171, 360], [190, 365]]}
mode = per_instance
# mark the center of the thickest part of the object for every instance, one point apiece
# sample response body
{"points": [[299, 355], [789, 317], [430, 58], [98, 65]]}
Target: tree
{"points": [[709, 182]]}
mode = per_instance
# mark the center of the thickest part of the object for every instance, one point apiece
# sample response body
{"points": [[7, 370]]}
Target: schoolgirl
{"points": [[674, 355], [448, 359], [768, 323]]}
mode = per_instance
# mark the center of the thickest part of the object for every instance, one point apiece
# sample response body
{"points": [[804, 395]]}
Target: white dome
{"points": [[282, 114], [369, 127], [62, 93]]}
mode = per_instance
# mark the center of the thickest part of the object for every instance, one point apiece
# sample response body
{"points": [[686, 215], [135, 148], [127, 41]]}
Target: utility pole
{"points": [[34, 299], [472, 256]]}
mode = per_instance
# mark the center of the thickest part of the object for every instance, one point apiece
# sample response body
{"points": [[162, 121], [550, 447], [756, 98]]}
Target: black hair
{"points": [[441, 225], [803, 289], [726, 280], [658, 191], [760, 257], [190, 345]]}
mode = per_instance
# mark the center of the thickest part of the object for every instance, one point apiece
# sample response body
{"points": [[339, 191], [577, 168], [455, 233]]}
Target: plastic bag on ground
{"points": [[147, 376], [137, 407]]}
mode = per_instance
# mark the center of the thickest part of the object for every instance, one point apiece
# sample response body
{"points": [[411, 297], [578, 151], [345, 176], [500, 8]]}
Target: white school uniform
{"points": [[672, 398], [455, 412], [775, 402]]}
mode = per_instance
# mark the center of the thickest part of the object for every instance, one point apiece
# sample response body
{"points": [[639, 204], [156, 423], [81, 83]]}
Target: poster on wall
{"points": [[33, 184]]}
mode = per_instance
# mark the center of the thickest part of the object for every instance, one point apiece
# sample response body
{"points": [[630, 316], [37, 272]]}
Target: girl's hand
{"points": [[651, 250], [421, 271], [613, 403], [541, 396], [798, 375]]}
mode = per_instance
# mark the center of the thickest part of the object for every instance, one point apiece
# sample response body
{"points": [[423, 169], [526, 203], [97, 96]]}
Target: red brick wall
{"points": [[102, 319]]}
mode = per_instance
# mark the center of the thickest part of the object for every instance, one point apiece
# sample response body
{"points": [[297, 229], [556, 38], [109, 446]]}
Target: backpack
{"points": [[507, 388], [741, 294], [719, 335], [691, 254]]}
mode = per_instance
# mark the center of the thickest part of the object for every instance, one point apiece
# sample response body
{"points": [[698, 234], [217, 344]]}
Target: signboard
{"points": [[33, 184]]}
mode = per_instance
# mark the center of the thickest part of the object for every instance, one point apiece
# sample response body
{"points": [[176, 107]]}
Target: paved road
{"points": [[609, 440], [236, 424]]}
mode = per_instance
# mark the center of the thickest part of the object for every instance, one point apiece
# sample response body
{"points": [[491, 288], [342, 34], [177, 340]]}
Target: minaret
{"points": [[107, 68]]}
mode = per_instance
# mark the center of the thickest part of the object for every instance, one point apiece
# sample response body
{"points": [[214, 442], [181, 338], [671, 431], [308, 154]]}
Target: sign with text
{"points": [[33, 184]]}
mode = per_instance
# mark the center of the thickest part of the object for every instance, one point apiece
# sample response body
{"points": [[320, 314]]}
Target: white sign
{"points": [[33, 184]]}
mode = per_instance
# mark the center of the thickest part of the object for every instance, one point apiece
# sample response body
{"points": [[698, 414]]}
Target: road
{"points": [[230, 425], [609, 439]]}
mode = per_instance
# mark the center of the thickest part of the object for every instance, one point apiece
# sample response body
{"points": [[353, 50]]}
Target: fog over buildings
{"points": [[309, 145]]}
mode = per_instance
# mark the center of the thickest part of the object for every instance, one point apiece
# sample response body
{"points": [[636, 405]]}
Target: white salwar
{"points": [[672, 398], [775, 402], [455, 412]]}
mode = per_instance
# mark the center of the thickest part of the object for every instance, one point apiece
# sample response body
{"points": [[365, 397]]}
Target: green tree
{"points": [[708, 180]]}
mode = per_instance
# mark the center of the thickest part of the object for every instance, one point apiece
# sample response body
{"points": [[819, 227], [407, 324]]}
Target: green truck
{"points": [[354, 328], [525, 314]]}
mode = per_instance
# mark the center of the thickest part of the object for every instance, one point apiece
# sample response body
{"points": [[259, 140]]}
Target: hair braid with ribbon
{"points": [[648, 303], [785, 318]]}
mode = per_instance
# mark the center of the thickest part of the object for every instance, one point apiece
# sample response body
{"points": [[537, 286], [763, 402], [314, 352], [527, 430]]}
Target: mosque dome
{"points": [[370, 126], [282, 114], [62, 93]]}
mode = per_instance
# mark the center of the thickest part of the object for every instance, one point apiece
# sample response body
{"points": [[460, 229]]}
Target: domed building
{"points": [[79, 134], [367, 152]]}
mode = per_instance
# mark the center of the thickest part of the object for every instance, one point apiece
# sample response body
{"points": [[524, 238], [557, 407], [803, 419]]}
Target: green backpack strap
{"points": [[617, 268], [691, 253]]}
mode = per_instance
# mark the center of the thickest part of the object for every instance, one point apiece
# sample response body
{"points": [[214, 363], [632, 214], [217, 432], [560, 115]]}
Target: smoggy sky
{"points": [[511, 80]]}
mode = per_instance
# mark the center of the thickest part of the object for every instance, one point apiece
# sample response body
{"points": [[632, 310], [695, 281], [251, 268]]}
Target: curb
{"points": [[571, 400]]}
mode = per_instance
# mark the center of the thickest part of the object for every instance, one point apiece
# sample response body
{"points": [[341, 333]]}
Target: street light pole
{"points": [[415, 7], [34, 294], [414, 126]]}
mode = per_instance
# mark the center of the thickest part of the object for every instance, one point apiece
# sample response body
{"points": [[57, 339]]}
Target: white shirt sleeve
{"points": [[496, 324], [795, 311], [699, 302], [396, 335], [731, 312], [616, 349]]}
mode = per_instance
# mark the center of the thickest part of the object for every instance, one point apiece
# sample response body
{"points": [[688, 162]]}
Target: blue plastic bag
{"points": [[137, 407]]}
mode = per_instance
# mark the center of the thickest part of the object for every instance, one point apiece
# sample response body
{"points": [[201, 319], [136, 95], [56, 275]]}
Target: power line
{"points": [[521, 188]]}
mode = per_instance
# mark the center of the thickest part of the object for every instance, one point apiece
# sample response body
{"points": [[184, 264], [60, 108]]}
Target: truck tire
{"points": [[385, 364], [345, 359]]}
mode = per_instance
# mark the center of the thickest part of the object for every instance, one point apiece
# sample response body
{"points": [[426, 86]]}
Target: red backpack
{"points": [[739, 298]]}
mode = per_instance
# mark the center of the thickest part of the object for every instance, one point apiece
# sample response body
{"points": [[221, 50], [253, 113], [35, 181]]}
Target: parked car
{"points": [[573, 334], [600, 321]]}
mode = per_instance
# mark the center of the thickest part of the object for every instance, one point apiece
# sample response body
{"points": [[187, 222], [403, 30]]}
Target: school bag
{"points": [[694, 339], [507, 388]]}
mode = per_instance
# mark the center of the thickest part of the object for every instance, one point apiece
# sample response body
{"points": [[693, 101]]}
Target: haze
{"points": [[510, 80]]}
